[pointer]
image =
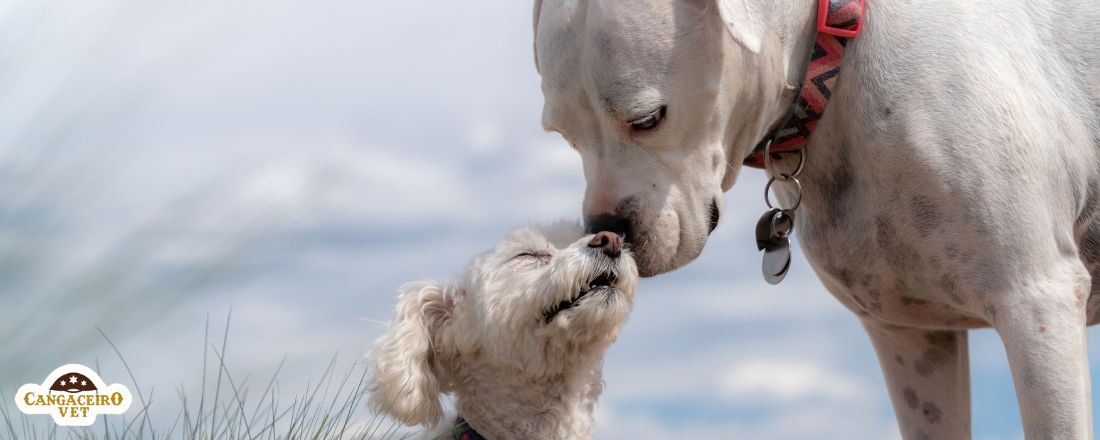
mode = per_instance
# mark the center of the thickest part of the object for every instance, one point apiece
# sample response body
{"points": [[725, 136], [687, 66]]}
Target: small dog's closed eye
{"points": [[518, 340]]}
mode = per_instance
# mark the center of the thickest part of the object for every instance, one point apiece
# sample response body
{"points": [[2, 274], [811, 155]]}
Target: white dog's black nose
{"points": [[610, 243], [605, 222]]}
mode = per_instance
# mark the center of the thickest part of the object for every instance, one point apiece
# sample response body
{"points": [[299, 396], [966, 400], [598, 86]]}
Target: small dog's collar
{"points": [[463, 431], [837, 22]]}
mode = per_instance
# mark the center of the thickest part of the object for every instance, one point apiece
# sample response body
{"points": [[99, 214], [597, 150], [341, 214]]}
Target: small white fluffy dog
{"points": [[519, 340]]}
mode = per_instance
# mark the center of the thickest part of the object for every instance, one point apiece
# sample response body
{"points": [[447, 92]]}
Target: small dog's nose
{"points": [[611, 243]]}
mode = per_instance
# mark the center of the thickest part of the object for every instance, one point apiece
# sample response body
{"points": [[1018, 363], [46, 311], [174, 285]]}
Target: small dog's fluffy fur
{"points": [[519, 340]]}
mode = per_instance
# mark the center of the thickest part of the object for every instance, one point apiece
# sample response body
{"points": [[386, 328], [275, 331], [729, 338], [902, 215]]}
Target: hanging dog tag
{"points": [[767, 231], [772, 226], [777, 260], [772, 231]]}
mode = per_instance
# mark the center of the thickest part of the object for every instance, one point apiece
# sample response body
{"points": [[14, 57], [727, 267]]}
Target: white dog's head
{"points": [[663, 107], [544, 300]]}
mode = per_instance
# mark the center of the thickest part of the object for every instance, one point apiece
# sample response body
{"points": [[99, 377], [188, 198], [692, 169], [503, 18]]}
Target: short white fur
{"points": [[953, 182]]}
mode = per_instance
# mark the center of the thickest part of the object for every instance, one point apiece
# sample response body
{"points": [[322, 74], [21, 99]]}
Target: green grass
{"points": [[330, 408]]}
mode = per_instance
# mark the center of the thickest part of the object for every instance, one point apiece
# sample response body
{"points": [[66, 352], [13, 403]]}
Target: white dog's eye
{"points": [[650, 121]]}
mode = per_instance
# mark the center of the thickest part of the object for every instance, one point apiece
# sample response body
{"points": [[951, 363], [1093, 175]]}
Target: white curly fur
{"points": [[485, 339]]}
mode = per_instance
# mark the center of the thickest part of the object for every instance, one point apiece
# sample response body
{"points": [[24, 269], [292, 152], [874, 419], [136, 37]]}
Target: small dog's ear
{"points": [[406, 382], [745, 22]]}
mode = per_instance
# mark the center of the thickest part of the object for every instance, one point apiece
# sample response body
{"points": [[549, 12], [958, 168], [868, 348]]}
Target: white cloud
{"points": [[612, 425], [277, 184], [756, 380], [791, 423], [483, 136], [736, 299]]}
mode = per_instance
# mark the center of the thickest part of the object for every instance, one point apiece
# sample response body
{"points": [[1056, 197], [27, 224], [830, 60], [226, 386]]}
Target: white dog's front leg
{"points": [[927, 374], [1045, 337]]}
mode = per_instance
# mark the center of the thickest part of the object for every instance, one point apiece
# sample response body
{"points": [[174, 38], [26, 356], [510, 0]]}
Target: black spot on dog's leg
{"points": [[931, 412], [945, 340], [930, 361], [943, 346], [911, 398]]}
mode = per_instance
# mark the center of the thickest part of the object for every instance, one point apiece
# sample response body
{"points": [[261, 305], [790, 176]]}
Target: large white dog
{"points": [[953, 182]]}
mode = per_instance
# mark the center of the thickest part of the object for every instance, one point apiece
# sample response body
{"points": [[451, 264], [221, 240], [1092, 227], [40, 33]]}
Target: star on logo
{"points": [[72, 380], [83, 383], [62, 381]]}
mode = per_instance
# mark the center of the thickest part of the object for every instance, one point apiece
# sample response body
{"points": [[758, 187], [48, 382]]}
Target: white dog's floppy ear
{"points": [[538, 10], [406, 382], [745, 22]]}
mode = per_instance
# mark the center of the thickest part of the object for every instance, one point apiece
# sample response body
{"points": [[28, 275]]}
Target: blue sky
{"points": [[295, 161]]}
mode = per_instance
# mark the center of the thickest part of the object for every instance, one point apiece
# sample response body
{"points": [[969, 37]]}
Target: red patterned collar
{"points": [[837, 22]]}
